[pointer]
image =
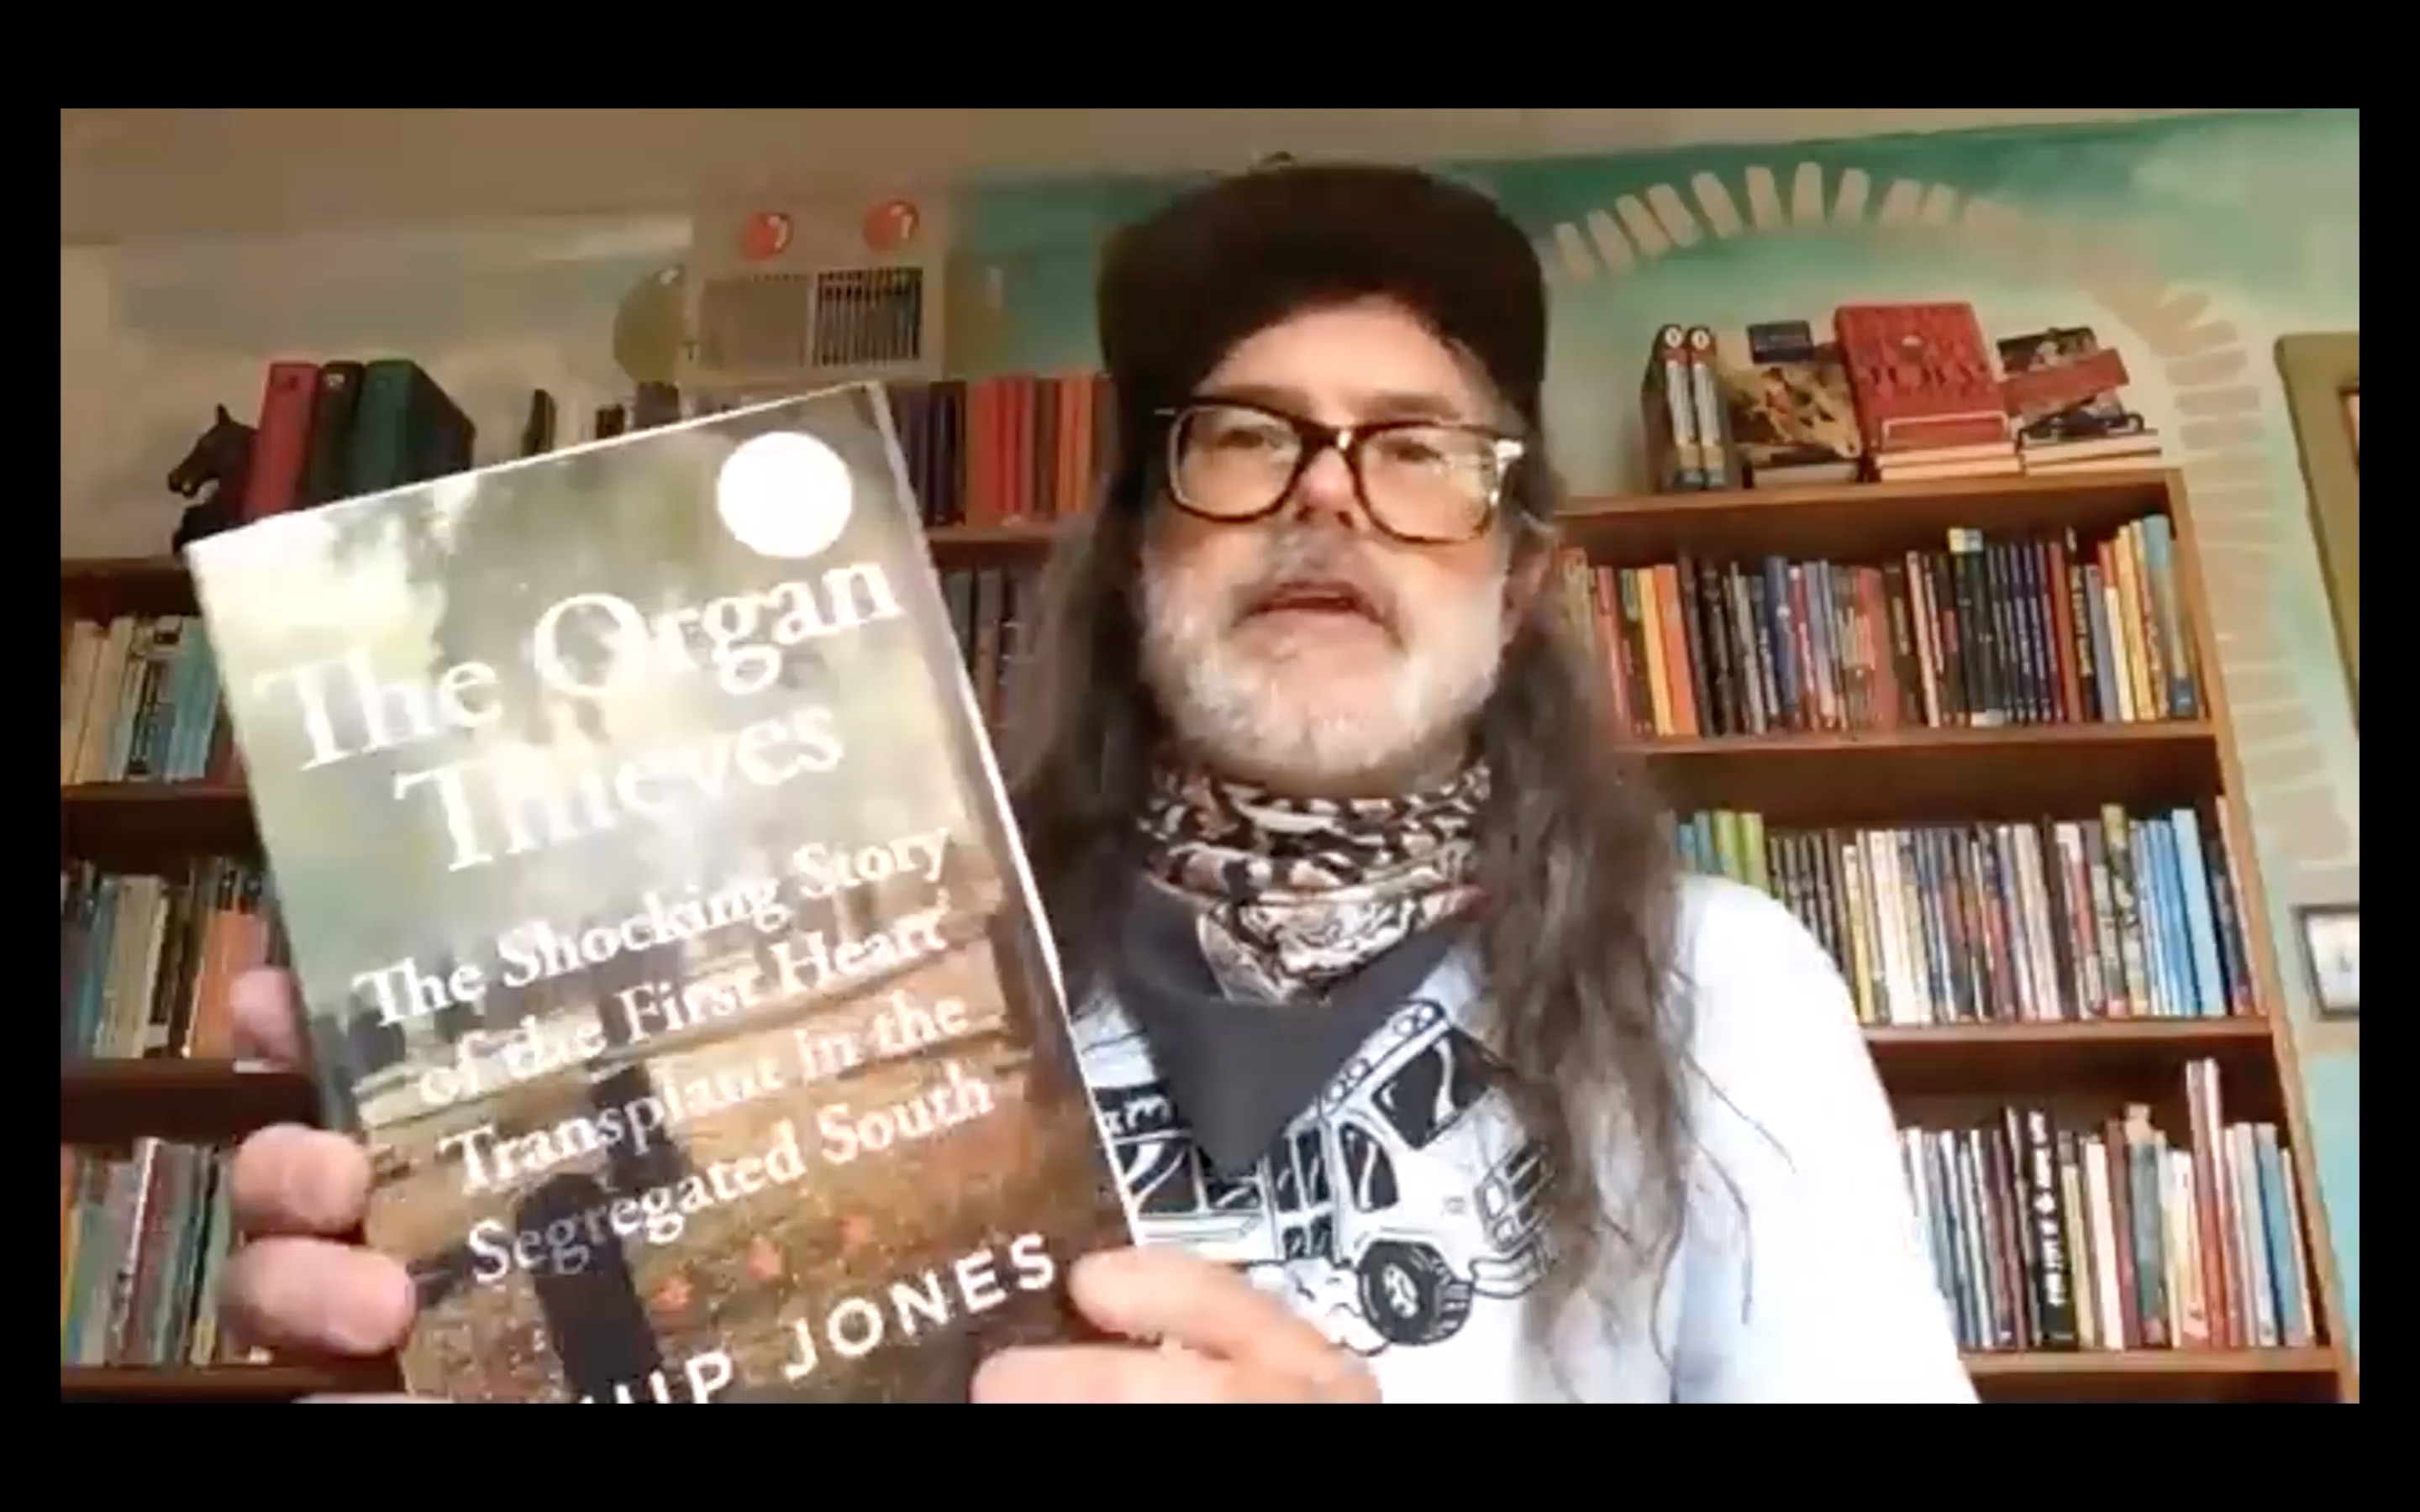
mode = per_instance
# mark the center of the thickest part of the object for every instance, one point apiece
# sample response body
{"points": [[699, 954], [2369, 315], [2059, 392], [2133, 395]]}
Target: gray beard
{"points": [[1237, 711]]}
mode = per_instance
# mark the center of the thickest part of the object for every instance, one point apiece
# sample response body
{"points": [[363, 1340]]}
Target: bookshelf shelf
{"points": [[2017, 1061], [1956, 742], [104, 1101], [125, 585], [2185, 1035], [108, 1102], [1845, 520], [971, 545], [2015, 772], [161, 585], [1854, 520], [2142, 1376], [132, 825], [217, 1384], [1906, 776], [2150, 1363]]}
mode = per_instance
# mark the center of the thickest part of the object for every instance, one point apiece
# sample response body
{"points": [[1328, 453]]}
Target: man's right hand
{"points": [[296, 1286]]}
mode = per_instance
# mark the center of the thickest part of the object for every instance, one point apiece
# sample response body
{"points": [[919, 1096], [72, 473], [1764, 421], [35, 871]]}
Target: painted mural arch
{"points": [[2309, 846]]}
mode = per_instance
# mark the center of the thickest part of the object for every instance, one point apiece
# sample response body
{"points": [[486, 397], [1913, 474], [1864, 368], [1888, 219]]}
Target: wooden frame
{"points": [[2321, 374], [2330, 937], [2233, 801]]}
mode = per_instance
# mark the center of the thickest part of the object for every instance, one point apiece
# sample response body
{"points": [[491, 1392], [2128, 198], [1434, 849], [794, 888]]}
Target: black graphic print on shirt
{"points": [[1385, 1212]]}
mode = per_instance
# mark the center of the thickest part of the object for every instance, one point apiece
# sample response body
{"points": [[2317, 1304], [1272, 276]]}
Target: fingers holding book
{"points": [[293, 1295], [298, 1284], [291, 1180], [1203, 1333], [268, 1020]]}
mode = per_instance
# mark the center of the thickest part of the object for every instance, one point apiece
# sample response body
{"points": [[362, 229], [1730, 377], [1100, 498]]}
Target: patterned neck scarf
{"points": [[1295, 894]]}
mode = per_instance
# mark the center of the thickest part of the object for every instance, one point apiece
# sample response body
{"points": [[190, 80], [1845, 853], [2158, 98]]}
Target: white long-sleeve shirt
{"points": [[1816, 1286], [1396, 1209]]}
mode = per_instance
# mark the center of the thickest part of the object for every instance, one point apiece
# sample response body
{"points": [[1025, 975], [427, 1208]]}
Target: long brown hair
{"points": [[1576, 937]]}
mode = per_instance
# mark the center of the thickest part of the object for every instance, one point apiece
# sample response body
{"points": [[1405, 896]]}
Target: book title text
{"points": [[500, 797]]}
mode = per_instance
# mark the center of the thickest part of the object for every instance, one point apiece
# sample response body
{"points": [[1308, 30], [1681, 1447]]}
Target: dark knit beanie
{"points": [[1218, 263]]}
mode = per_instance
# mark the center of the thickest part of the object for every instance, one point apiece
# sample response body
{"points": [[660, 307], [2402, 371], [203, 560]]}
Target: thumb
{"points": [[268, 1018]]}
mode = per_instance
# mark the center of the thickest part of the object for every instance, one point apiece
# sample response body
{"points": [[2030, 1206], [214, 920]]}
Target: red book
{"points": [[283, 441], [1922, 376]]}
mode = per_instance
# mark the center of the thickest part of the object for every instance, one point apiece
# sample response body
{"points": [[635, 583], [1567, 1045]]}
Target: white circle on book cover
{"points": [[783, 494]]}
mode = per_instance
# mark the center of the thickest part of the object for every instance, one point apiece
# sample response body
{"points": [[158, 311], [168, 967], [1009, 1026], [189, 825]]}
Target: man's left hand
{"points": [[1201, 1332]]}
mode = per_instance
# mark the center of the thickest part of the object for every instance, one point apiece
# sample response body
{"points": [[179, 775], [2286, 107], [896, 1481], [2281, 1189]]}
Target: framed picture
{"points": [[2321, 374], [2332, 955]]}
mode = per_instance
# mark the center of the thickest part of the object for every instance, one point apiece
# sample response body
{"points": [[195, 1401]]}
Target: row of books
{"points": [[1966, 635], [2125, 917], [2041, 1238], [1014, 448], [2116, 1236], [1972, 634], [342, 428], [139, 702], [139, 694], [2065, 395], [1005, 449], [1889, 390], [993, 612], [1985, 631], [144, 960], [143, 1236], [1771, 404], [2111, 1237]]}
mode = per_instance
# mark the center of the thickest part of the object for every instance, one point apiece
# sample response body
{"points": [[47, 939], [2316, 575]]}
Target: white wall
{"points": [[149, 172], [152, 334]]}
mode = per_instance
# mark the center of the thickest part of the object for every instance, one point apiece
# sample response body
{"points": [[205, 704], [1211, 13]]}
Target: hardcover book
{"points": [[660, 924]]}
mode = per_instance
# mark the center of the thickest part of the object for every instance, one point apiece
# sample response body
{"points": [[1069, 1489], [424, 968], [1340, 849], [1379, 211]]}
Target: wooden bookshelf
{"points": [[110, 1102], [2162, 1376], [223, 1383], [1907, 776]]}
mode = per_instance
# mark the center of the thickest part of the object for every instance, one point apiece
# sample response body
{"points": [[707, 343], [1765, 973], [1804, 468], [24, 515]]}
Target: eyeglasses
{"points": [[1422, 480]]}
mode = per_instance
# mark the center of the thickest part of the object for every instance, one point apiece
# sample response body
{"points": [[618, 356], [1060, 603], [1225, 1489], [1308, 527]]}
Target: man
{"points": [[1485, 1102]]}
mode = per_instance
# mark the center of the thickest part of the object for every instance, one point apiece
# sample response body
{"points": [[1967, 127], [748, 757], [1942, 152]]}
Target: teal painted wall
{"points": [[2190, 244]]}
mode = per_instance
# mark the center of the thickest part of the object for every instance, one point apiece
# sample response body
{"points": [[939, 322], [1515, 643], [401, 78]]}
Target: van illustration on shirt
{"points": [[1383, 1213]]}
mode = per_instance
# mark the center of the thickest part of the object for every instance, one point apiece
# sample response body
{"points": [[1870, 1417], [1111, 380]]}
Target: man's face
{"points": [[1309, 651]]}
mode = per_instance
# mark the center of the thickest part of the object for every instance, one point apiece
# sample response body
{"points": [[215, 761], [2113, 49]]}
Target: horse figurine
{"points": [[220, 462]]}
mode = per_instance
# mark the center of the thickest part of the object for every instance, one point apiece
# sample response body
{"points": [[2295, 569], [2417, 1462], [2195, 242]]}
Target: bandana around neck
{"points": [[1295, 894]]}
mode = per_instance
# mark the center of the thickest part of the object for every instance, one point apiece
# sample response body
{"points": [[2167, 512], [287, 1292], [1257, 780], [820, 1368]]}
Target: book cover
{"points": [[1788, 400], [1922, 376], [660, 921]]}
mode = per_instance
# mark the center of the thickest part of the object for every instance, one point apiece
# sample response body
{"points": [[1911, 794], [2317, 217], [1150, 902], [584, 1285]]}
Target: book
{"points": [[1791, 412], [1922, 378], [661, 922]]}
